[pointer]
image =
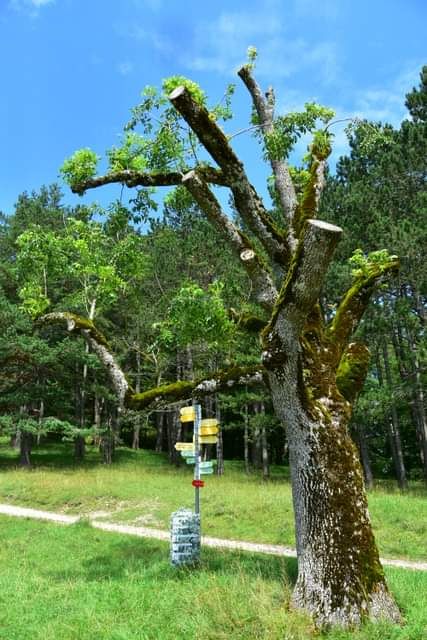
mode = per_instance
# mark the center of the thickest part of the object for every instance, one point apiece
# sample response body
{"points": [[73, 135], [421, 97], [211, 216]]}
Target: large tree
{"points": [[312, 367]]}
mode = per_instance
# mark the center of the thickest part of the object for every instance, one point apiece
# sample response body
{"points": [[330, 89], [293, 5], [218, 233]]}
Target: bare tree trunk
{"points": [[25, 442], [40, 419], [246, 437], [264, 448], [364, 456], [137, 426], [219, 446], [393, 426], [160, 420], [421, 422]]}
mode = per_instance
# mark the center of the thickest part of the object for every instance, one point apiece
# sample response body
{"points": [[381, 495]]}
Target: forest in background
{"points": [[167, 309]]}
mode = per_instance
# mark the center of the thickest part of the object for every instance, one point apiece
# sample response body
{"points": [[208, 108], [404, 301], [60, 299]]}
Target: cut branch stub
{"points": [[264, 288], [246, 199]]}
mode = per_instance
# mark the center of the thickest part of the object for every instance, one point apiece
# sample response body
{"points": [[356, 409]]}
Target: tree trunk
{"points": [[137, 426], [364, 456], [246, 438], [331, 513], [160, 420], [25, 443], [219, 446], [393, 426], [79, 442]]}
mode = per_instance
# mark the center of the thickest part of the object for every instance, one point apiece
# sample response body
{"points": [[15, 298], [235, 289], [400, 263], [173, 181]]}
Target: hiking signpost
{"points": [[185, 525]]}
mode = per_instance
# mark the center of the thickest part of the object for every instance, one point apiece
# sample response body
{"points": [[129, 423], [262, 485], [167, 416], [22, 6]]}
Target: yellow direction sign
{"points": [[208, 439], [184, 446], [208, 431], [187, 414]]}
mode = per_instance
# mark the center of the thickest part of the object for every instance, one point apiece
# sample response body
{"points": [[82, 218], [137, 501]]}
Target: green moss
{"points": [[85, 324], [183, 389], [352, 370], [307, 208]]}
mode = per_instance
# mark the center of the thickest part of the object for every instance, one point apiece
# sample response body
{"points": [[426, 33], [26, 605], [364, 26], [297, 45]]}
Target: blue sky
{"points": [[71, 69]]}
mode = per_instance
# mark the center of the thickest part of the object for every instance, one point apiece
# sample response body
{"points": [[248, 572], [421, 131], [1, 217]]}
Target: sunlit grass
{"points": [[143, 488], [74, 582]]}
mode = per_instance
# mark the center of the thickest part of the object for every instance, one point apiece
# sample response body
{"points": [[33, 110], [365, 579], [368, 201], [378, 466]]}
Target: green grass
{"points": [[77, 583], [142, 488]]}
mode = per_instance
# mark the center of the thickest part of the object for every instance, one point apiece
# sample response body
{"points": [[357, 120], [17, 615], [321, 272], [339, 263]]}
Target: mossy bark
{"points": [[340, 577]]}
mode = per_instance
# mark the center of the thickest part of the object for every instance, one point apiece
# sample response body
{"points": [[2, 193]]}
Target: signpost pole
{"points": [[198, 417]]}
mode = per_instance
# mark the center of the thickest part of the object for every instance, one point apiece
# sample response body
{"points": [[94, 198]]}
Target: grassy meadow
{"points": [[77, 583], [142, 488]]}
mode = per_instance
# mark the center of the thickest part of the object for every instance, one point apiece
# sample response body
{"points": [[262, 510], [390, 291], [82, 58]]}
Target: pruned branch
{"points": [[265, 291], [187, 390], [301, 288], [132, 178], [354, 303], [99, 345], [282, 179], [309, 205], [246, 199]]}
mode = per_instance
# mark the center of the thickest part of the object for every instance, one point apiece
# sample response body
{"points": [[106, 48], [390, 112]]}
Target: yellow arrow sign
{"points": [[187, 414], [184, 446]]}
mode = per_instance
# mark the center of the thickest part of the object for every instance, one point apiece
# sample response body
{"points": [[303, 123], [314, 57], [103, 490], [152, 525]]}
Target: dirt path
{"points": [[159, 534]]}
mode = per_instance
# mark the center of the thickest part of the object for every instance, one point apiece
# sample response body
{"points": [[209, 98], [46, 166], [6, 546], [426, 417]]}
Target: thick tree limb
{"points": [[186, 390], [99, 345], [140, 179], [352, 370], [309, 205], [265, 291], [282, 178], [300, 290], [354, 303], [165, 394], [246, 199]]}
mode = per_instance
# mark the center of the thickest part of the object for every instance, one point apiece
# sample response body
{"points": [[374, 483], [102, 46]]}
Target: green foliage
{"points": [[371, 138], [79, 167], [289, 128], [130, 155], [197, 315], [171, 83], [82, 254], [362, 264]]}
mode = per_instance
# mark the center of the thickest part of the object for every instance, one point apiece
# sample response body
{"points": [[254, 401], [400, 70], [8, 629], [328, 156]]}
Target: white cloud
{"points": [[29, 7], [220, 46]]}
